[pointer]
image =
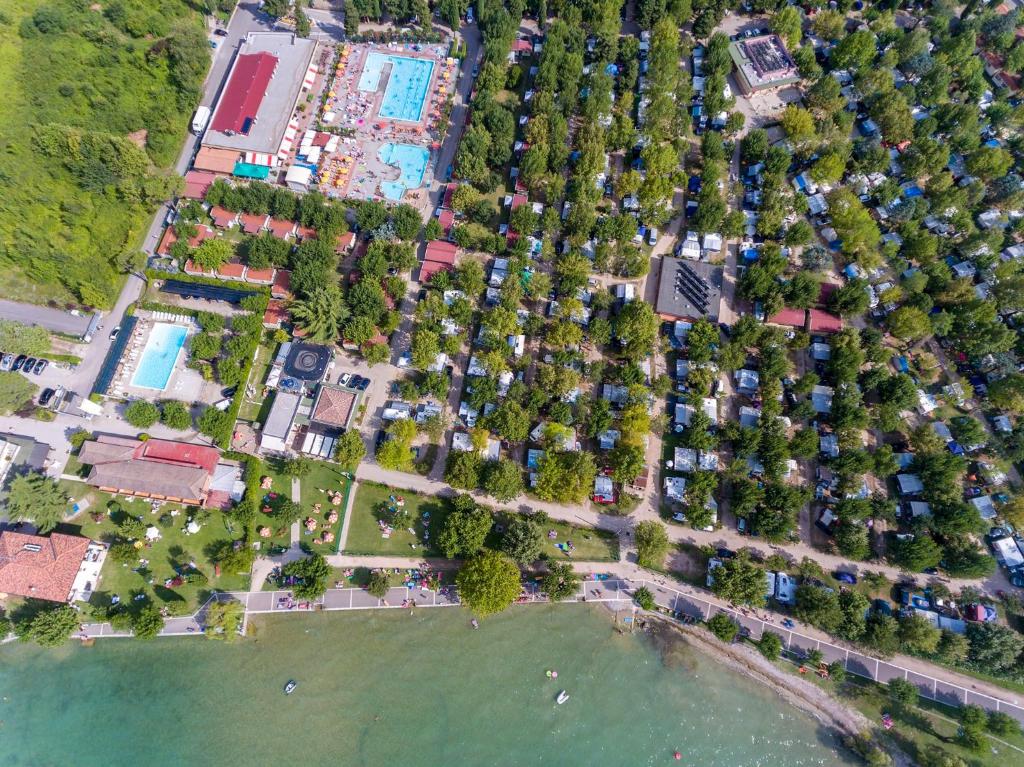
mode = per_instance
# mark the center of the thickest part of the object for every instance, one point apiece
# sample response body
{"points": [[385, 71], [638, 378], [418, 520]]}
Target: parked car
{"points": [[844, 577], [6, 362], [30, 363], [345, 378], [45, 397], [220, 32], [741, 525], [229, 391], [40, 366], [379, 439], [114, 332], [18, 362], [364, 384]]}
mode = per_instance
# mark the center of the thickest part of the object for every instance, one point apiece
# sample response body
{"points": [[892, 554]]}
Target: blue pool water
{"points": [[412, 163], [159, 356], [407, 87]]}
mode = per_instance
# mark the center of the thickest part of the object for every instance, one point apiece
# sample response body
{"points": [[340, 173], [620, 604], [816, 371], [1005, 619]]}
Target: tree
{"points": [[175, 415], [488, 583], [627, 462], [522, 540], [212, 254], [1007, 393], [16, 338], [37, 499], [651, 540], [565, 476], [644, 598], [464, 529], [407, 221], [148, 622], [723, 627], [48, 627], [855, 51], [141, 414], [798, 124], [934, 756], [560, 581], [903, 693], [224, 620], [636, 327], [349, 450], [380, 584], [972, 727], [908, 323], [503, 479], [302, 25], [462, 469], [917, 554], [311, 574], [204, 346], [917, 635], [993, 648], [739, 581], [787, 24], [232, 559], [770, 643], [16, 391], [320, 313], [215, 423]]}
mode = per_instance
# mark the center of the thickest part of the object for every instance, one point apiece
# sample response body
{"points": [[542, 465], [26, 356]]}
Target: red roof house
{"points": [[222, 217], [282, 230], [252, 223], [519, 200], [429, 268], [449, 192], [440, 251], [282, 285], [244, 93], [260, 276], [792, 318], [345, 242], [191, 268], [196, 184], [305, 232], [446, 220], [40, 567], [820, 321], [232, 270], [276, 313]]}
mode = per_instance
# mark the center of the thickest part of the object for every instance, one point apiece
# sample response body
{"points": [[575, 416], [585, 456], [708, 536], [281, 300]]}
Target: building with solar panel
{"points": [[763, 63], [689, 290]]}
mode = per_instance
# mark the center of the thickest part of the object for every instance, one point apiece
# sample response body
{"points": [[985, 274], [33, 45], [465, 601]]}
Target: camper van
{"points": [[200, 120]]}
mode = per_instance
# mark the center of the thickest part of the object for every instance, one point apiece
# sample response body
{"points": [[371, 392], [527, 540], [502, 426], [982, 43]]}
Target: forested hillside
{"points": [[96, 101]]}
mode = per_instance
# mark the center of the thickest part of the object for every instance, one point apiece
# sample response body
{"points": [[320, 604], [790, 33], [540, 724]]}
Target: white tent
{"points": [[298, 178]]}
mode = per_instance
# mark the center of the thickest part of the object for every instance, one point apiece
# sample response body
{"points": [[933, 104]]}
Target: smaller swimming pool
{"points": [[411, 162], [160, 355]]}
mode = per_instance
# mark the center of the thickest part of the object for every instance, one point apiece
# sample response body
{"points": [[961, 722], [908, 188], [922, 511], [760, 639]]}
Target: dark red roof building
{"points": [[244, 92], [282, 230], [282, 285], [820, 321], [446, 220], [441, 252], [252, 223], [791, 318], [222, 217], [196, 184]]}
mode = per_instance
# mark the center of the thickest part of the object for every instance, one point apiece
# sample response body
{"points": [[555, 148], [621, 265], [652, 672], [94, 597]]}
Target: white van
{"points": [[652, 236], [200, 120]]}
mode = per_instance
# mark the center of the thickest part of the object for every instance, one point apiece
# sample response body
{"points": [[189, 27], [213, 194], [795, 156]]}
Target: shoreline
{"points": [[742, 658]]}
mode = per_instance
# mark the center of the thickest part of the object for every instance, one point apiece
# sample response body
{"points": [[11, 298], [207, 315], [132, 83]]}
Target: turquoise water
{"points": [[158, 358], [407, 86], [411, 162], [391, 688]]}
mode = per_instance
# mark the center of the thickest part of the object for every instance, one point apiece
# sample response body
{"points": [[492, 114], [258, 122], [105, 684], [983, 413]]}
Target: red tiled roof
{"points": [[429, 268], [826, 290], [449, 191], [522, 46], [321, 139], [446, 219], [231, 270], [260, 276], [244, 92], [196, 184], [281, 229], [794, 318], [252, 223], [519, 200], [191, 268], [222, 217], [305, 232], [167, 451], [345, 241], [333, 406], [168, 239], [440, 251], [276, 313], [40, 567], [282, 287], [823, 322]]}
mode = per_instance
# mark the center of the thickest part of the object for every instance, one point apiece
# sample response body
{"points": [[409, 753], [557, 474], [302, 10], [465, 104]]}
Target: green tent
{"points": [[249, 170]]}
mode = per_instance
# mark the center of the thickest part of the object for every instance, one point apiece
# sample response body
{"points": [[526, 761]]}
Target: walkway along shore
{"points": [[600, 591]]}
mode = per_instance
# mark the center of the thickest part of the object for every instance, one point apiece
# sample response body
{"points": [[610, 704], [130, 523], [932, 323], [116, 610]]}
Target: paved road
{"points": [[55, 320]]}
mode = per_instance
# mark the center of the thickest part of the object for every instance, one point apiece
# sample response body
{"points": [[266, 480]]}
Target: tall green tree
{"points": [[320, 313], [37, 499], [488, 583]]}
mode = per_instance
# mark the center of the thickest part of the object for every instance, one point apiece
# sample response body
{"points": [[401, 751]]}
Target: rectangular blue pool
{"points": [[406, 93], [160, 355], [411, 161]]}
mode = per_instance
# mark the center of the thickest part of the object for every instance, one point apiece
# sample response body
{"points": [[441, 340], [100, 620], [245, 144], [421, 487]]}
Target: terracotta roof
{"points": [[449, 192], [252, 223], [155, 467], [191, 268], [429, 268], [446, 219], [222, 217], [197, 182], [345, 241], [282, 287], [519, 200], [794, 318], [168, 239], [260, 276], [305, 232], [276, 313], [40, 567], [440, 251], [281, 229], [216, 160], [232, 270], [333, 406], [244, 92], [821, 321]]}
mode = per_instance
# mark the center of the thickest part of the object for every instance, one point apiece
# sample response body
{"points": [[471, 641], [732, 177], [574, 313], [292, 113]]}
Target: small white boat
{"points": [[563, 696], [290, 687]]}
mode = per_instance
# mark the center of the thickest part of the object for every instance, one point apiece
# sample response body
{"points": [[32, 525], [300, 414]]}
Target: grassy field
{"points": [[251, 410], [279, 492], [174, 549], [371, 502], [324, 477], [69, 224]]}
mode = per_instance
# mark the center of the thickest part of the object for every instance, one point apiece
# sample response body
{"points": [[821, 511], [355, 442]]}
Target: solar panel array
{"points": [[692, 287], [766, 55]]}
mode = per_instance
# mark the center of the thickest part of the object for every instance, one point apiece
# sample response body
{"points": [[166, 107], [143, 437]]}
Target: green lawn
{"points": [[372, 502], [173, 548], [279, 492], [324, 476], [250, 409]]}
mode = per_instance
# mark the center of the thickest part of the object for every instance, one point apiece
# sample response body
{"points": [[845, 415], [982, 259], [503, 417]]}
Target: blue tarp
{"points": [[750, 254]]}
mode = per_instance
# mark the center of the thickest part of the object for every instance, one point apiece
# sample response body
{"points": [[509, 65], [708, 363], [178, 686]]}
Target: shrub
{"points": [[643, 597], [175, 415], [141, 414], [770, 645], [723, 627]]}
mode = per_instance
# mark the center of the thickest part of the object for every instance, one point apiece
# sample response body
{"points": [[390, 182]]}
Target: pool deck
{"points": [[355, 170], [184, 384]]}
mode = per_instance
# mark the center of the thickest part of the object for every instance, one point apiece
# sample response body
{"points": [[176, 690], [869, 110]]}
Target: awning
{"points": [[249, 170]]}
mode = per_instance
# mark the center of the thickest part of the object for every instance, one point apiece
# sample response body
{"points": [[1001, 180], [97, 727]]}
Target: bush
{"points": [[141, 414], [723, 627], [904, 693], [770, 645], [204, 346], [379, 584], [643, 597], [216, 424], [175, 415]]}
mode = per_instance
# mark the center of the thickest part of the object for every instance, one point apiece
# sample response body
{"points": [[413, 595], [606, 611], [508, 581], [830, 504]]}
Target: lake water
{"points": [[380, 688]]}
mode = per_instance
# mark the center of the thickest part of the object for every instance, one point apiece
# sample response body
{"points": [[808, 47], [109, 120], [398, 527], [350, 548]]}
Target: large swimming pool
{"points": [[406, 93], [412, 164], [159, 356]]}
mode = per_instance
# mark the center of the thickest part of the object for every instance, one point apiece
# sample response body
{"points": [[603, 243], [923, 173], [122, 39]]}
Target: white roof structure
{"points": [[675, 488], [684, 459], [298, 178], [986, 508], [909, 484]]}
